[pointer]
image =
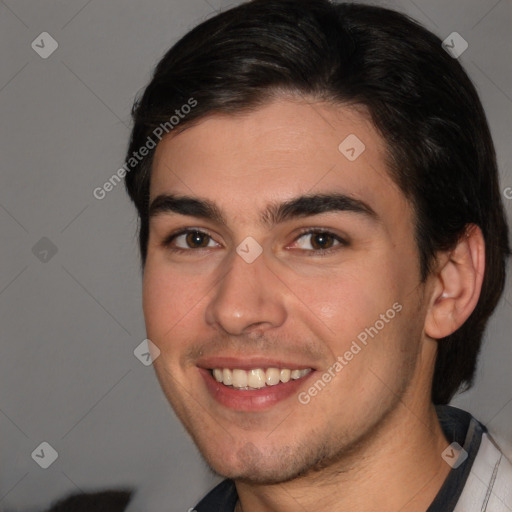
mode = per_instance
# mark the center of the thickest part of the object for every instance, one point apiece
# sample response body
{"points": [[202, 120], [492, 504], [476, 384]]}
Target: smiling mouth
{"points": [[257, 378]]}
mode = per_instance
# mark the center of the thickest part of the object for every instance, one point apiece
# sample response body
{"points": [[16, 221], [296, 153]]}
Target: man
{"points": [[323, 241]]}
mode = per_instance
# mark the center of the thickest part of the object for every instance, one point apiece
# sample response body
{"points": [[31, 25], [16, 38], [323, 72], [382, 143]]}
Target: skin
{"points": [[370, 440]]}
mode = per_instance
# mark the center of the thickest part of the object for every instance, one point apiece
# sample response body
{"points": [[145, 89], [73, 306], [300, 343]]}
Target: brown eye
{"points": [[196, 239], [322, 240], [189, 239], [319, 241]]}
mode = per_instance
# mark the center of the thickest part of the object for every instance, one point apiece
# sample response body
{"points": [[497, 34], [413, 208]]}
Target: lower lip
{"points": [[251, 400]]}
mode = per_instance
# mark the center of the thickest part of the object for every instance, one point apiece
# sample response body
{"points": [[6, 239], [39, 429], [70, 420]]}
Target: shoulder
{"points": [[101, 501], [490, 481], [222, 498], [481, 475]]}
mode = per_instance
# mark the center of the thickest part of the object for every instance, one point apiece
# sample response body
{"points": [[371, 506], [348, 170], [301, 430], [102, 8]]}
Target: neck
{"points": [[398, 468]]}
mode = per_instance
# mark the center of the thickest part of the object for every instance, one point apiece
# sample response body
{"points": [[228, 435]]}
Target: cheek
{"points": [[347, 302], [169, 301], [155, 300], [365, 306]]}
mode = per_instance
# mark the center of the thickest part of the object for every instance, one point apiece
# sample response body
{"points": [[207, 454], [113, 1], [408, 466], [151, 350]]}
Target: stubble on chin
{"points": [[323, 454]]}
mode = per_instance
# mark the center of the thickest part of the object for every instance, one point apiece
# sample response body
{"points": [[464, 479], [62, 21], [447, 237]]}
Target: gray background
{"points": [[70, 324]]}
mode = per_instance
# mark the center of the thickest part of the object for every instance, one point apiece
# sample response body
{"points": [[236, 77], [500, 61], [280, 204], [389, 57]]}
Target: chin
{"points": [[250, 465], [267, 473]]}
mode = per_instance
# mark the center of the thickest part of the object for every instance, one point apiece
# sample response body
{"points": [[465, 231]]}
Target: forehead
{"points": [[274, 153]]}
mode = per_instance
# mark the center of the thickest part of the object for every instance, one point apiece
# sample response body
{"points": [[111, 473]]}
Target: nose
{"points": [[250, 297]]}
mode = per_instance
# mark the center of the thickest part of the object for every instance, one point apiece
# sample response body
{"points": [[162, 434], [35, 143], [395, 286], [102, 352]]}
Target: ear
{"points": [[457, 284]]}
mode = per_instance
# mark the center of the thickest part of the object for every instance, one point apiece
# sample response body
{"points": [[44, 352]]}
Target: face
{"points": [[281, 287]]}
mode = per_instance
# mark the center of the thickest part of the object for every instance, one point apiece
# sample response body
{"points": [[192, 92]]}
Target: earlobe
{"points": [[457, 284]]}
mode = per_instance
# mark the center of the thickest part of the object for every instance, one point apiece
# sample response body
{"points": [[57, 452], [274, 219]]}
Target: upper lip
{"points": [[249, 363]]}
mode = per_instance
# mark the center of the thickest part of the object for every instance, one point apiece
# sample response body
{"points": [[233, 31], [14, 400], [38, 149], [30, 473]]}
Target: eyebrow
{"points": [[274, 213]]}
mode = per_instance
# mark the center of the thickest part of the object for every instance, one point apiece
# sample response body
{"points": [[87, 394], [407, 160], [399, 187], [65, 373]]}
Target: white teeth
{"points": [[257, 378], [285, 375], [227, 377], [272, 376], [239, 378]]}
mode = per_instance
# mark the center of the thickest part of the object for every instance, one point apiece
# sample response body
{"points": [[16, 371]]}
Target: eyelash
{"points": [[306, 231], [322, 252], [168, 240]]}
